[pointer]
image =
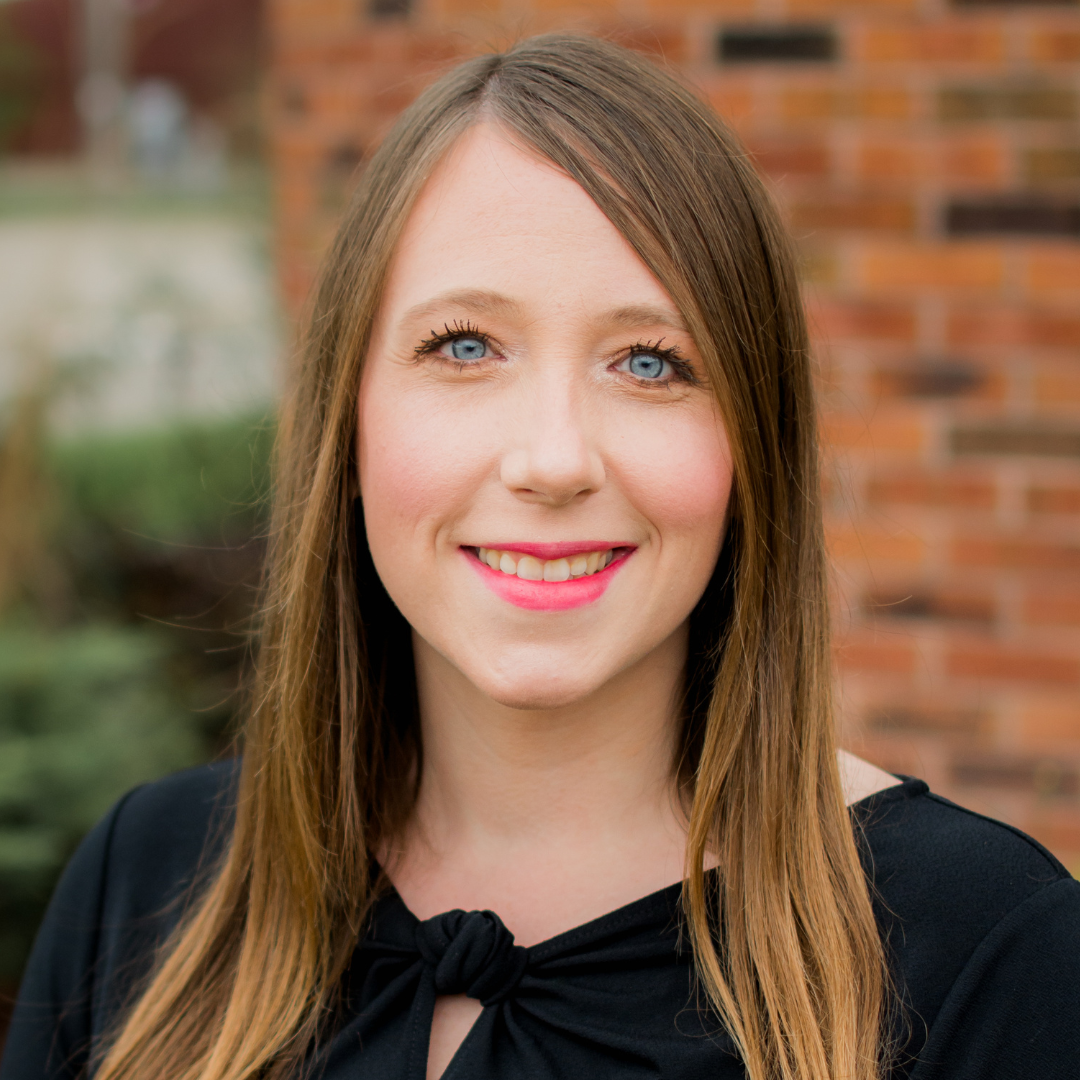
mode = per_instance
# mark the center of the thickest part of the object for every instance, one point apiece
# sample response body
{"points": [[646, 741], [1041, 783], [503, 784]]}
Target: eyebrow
{"points": [[486, 302], [646, 315], [480, 301]]}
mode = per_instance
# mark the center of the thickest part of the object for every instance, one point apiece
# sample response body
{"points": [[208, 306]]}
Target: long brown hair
{"points": [[784, 936]]}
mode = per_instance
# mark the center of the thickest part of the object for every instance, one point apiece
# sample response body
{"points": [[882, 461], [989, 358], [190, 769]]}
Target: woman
{"points": [[546, 637]]}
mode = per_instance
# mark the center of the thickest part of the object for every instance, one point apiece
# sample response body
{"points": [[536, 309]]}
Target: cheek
{"points": [[680, 475], [416, 465]]}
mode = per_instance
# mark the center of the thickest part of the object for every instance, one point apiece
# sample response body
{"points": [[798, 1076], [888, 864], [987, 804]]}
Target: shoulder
{"points": [[126, 886], [116, 901], [961, 899], [160, 836], [927, 856]]}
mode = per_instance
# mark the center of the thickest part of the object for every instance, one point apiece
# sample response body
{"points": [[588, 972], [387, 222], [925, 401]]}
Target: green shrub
{"points": [[85, 714], [121, 667], [190, 482]]}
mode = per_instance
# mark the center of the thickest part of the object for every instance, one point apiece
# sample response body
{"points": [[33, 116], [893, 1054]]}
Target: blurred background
{"points": [[170, 172]]}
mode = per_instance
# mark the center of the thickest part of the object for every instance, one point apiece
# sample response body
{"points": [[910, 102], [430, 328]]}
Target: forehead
{"points": [[494, 216]]}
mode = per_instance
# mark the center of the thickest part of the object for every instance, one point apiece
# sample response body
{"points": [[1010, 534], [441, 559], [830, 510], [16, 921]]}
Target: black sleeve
{"points": [[50, 1033], [120, 897], [1014, 1011]]}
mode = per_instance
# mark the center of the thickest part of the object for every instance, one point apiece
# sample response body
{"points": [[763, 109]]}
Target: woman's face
{"points": [[544, 474]]}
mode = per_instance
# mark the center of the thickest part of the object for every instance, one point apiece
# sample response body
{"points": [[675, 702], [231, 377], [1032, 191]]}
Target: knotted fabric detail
{"points": [[472, 953]]}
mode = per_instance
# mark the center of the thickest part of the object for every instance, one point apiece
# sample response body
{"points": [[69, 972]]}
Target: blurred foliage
{"points": [[85, 714], [125, 630], [193, 482], [21, 79]]}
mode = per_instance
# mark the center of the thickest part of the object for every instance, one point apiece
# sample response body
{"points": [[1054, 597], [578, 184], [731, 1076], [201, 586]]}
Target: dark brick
{"points": [[928, 720], [1052, 163], [1034, 440], [1028, 216], [294, 101], [944, 379], [1043, 776], [931, 604], [1007, 103], [389, 9], [776, 44]]}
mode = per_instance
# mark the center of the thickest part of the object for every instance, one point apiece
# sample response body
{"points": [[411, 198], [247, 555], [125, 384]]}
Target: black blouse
{"points": [[982, 925]]}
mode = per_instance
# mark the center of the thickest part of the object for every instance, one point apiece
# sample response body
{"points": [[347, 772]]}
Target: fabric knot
{"points": [[472, 953]]}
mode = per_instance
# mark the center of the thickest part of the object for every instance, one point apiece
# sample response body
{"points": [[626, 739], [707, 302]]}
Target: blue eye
{"points": [[468, 348], [647, 365]]}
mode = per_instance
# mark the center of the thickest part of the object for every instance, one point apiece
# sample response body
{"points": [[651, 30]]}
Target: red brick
{"points": [[1051, 723], [1054, 270], [1054, 499], [716, 8], [846, 141], [818, 265], [306, 18], [1059, 45], [863, 320], [1004, 663], [931, 43], [1053, 607], [880, 103], [1058, 390], [888, 657], [440, 48], [664, 41], [860, 213], [1012, 326], [839, 7], [780, 159], [571, 8], [892, 161], [734, 101], [458, 8], [802, 103], [1015, 553], [921, 487], [932, 268], [869, 544], [981, 160], [902, 430], [810, 103]]}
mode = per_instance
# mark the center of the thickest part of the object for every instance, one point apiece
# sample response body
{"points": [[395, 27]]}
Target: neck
{"points": [[502, 775], [512, 799]]}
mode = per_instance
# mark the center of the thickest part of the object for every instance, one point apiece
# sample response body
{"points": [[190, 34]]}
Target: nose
{"points": [[551, 457]]}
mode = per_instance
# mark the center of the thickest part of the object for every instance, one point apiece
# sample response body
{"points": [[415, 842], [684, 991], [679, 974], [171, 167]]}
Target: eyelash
{"points": [[430, 345], [684, 372]]}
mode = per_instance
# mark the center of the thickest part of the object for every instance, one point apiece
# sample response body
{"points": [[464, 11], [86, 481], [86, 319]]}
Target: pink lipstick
{"points": [[549, 577]]}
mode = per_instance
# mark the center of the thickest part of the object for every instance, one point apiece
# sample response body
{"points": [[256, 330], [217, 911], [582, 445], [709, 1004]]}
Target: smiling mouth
{"points": [[530, 568]]}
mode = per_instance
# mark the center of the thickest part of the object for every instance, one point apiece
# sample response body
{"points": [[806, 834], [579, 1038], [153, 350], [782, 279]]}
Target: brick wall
{"points": [[927, 157]]}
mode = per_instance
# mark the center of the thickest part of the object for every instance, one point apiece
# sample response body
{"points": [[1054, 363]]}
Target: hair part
{"points": [[784, 936]]}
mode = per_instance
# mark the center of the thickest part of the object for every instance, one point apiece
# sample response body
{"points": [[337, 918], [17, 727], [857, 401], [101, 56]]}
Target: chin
{"points": [[530, 691]]}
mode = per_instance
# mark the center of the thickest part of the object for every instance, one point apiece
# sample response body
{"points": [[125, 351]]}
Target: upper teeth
{"points": [[532, 569]]}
